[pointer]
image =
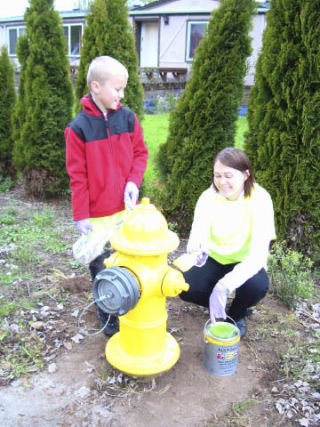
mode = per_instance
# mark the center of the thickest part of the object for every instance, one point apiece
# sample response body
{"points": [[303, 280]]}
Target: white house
{"points": [[73, 25], [167, 33]]}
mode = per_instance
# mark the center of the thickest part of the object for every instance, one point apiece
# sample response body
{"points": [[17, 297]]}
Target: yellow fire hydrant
{"points": [[134, 285]]}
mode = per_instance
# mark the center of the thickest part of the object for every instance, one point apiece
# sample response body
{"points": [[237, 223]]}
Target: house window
{"points": [[13, 34], [195, 32], [73, 35]]}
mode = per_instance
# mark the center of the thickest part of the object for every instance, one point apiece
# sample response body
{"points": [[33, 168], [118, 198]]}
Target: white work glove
{"points": [[131, 194], [84, 226], [218, 302]]}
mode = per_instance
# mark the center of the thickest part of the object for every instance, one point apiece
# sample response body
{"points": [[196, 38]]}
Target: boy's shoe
{"points": [[242, 326], [112, 327], [249, 312]]}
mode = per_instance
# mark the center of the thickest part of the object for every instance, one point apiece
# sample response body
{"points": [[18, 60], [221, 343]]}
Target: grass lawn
{"points": [[242, 127], [155, 129]]}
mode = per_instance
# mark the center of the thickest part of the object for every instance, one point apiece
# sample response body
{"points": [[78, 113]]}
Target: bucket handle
{"points": [[207, 323]]}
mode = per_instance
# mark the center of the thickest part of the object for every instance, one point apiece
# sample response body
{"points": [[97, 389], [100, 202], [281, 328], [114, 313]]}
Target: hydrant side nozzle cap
{"points": [[173, 283]]}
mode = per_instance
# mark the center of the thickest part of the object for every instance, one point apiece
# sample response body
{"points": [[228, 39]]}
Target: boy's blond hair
{"points": [[102, 68]]}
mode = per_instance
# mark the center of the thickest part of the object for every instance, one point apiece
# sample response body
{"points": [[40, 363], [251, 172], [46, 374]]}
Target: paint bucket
{"points": [[222, 340]]}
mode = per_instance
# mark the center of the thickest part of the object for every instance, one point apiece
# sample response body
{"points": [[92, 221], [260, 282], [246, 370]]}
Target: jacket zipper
{"points": [[107, 124]]}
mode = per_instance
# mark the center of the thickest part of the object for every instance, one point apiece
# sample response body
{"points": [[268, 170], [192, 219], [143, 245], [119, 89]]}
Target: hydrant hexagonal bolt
{"points": [[139, 267]]}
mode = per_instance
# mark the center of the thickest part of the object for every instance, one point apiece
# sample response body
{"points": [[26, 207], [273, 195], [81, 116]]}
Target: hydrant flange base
{"points": [[142, 366]]}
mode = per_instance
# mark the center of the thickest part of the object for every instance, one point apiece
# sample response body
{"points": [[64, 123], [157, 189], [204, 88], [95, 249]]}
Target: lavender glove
{"points": [[202, 257], [84, 226], [218, 302], [199, 250], [131, 194]]}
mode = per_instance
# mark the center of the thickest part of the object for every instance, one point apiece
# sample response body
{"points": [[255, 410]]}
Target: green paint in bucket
{"points": [[223, 330], [222, 342]]}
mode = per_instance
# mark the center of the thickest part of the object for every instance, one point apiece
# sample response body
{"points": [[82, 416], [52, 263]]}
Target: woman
{"points": [[231, 233]]}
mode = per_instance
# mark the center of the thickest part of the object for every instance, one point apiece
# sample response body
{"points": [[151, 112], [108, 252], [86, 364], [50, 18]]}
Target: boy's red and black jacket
{"points": [[102, 155]]}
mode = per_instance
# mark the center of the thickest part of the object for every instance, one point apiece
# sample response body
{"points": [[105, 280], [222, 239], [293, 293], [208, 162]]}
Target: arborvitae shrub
{"points": [[108, 32], [7, 102], [283, 140], [204, 120], [22, 49], [47, 102]]}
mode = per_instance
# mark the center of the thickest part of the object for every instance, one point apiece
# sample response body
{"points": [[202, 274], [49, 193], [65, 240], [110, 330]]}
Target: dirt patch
{"points": [[78, 387], [85, 390]]}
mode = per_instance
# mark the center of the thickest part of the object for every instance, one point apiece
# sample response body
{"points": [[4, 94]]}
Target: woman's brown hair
{"points": [[236, 159]]}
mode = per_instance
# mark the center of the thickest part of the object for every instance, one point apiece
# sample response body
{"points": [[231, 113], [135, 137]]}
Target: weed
{"points": [[7, 219], [74, 264], [300, 355], [12, 276], [165, 104], [7, 307], [12, 211], [23, 357], [240, 408], [290, 273], [25, 238], [239, 415], [54, 242], [44, 218], [5, 184], [173, 226], [23, 345], [24, 256]]}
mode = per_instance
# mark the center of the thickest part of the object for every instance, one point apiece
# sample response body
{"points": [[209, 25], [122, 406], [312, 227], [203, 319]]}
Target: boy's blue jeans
{"points": [[203, 279]]}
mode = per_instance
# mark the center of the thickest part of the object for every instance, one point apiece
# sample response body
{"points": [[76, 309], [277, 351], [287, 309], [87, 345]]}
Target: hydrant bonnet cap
{"points": [[145, 232]]}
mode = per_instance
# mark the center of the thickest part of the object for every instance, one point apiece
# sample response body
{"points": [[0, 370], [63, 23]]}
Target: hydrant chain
{"points": [[82, 313]]}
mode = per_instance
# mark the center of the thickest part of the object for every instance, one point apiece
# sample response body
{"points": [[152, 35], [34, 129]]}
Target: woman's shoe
{"points": [[242, 326]]}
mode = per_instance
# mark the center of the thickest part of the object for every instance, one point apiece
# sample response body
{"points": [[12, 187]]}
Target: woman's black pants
{"points": [[203, 279]]}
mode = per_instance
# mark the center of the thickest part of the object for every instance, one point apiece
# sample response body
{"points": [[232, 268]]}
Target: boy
{"points": [[105, 158]]}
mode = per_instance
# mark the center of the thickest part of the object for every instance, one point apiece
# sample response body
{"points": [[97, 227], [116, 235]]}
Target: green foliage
{"points": [[108, 32], [5, 184], [290, 273], [294, 364], [22, 343], [20, 237], [6, 219], [47, 102], [7, 102], [283, 140], [204, 120], [165, 104], [22, 49]]}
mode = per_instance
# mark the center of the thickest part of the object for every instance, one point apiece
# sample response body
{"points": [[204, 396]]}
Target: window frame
{"points": [[69, 25], [17, 28], [191, 22]]}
